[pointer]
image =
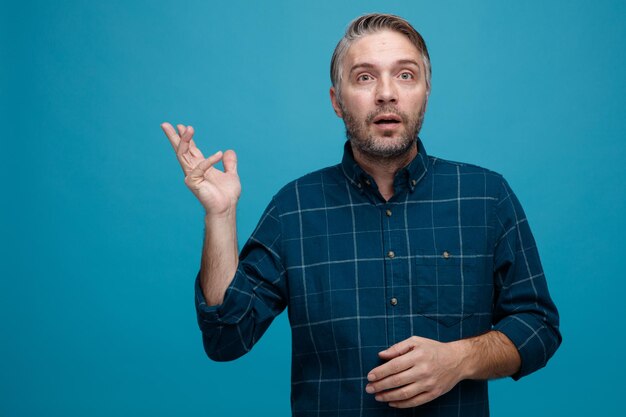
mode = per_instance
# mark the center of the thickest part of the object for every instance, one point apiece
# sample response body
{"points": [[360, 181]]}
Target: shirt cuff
{"points": [[526, 338], [226, 313]]}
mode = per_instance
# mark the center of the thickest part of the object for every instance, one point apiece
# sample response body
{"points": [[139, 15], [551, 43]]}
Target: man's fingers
{"points": [[390, 382], [171, 134], [394, 355], [197, 174], [399, 348], [402, 393], [185, 139], [392, 367], [230, 161], [419, 399], [188, 135], [194, 150]]}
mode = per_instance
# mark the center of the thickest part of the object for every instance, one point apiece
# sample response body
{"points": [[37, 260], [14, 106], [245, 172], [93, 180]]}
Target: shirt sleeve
{"points": [[255, 296], [523, 308]]}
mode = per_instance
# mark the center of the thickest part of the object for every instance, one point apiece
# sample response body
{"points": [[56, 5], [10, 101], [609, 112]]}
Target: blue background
{"points": [[101, 239]]}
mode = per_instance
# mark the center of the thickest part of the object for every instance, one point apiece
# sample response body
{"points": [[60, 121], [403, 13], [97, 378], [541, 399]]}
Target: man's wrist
{"points": [[464, 351], [490, 355], [227, 215]]}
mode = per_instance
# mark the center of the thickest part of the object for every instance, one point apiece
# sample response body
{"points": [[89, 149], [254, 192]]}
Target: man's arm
{"points": [[256, 295], [236, 299], [219, 257], [418, 370], [523, 309], [525, 326], [218, 192], [489, 356]]}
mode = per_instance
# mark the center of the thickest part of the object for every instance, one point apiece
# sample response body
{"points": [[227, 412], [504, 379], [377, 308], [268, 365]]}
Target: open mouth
{"points": [[387, 120]]}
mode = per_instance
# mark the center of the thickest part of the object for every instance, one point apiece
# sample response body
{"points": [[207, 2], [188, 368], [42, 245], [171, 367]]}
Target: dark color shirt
{"points": [[449, 256]]}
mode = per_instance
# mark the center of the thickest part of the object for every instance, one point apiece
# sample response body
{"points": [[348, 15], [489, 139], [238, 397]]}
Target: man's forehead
{"points": [[385, 45]]}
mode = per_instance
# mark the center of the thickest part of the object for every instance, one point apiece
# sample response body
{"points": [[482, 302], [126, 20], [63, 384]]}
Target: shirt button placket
{"points": [[394, 272]]}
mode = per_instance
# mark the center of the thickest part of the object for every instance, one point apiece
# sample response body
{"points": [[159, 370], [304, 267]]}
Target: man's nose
{"points": [[386, 91]]}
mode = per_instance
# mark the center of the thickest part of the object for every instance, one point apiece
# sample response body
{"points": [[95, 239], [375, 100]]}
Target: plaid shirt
{"points": [[449, 256]]}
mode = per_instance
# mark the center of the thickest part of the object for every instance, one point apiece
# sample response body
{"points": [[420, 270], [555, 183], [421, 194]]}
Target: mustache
{"points": [[387, 110]]}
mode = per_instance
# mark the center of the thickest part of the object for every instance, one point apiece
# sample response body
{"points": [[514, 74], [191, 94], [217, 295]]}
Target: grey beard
{"points": [[366, 144]]}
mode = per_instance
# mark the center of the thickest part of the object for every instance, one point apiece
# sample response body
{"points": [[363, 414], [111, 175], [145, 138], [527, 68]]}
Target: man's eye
{"points": [[364, 77], [406, 76]]}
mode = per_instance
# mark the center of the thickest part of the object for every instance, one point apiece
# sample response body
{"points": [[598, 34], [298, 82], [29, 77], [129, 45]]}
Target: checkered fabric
{"points": [[449, 256]]}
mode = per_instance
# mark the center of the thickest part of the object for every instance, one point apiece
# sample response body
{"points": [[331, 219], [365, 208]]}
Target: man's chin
{"points": [[391, 143], [387, 149]]}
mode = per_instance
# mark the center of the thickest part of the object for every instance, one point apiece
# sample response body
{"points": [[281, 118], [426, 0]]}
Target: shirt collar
{"points": [[406, 178]]}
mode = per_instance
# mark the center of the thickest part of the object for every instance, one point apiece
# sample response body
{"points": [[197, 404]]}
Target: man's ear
{"points": [[334, 99]]}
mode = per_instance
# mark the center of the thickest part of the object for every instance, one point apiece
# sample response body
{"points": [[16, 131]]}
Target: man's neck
{"points": [[384, 170]]}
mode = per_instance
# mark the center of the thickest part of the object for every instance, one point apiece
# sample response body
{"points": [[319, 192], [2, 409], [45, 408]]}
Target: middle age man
{"points": [[410, 280]]}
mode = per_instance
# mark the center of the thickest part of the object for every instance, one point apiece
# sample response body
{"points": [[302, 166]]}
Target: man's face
{"points": [[383, 94]]}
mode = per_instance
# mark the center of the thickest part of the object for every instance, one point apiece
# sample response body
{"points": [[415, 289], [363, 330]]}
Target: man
{"points": [[410, 280]]}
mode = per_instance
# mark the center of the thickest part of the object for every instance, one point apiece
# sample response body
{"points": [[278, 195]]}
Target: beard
{"points": [[383, 147]]}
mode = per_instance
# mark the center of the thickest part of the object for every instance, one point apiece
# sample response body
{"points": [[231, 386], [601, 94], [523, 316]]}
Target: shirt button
{"points": [[414, 182], [368, 183], [388, 213], [391, 254], [445, 254], [359, 185], [393, 301]]}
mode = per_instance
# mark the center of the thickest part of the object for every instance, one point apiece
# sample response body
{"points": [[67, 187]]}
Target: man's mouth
{"points": [[387, 120]]}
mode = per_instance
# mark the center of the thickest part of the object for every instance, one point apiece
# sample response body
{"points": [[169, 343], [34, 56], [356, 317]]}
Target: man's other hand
{"points": [[417, 371]]}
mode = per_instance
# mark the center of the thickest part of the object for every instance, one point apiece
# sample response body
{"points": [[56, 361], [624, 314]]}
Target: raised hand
{"points": [[218, 191]]}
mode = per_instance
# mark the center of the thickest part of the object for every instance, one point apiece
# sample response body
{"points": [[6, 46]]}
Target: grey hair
{"points": [[367, 25]]}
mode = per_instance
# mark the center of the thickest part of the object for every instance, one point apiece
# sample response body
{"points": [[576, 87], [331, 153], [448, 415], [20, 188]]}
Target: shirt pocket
{"points": [[452, 287]]}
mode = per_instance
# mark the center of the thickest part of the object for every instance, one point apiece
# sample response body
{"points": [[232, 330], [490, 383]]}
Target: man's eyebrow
{"points": [[362, 65], [367, 65], [408, 61]]}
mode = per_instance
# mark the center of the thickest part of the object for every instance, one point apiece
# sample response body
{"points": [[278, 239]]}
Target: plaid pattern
{"points": [[448, 257]]}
